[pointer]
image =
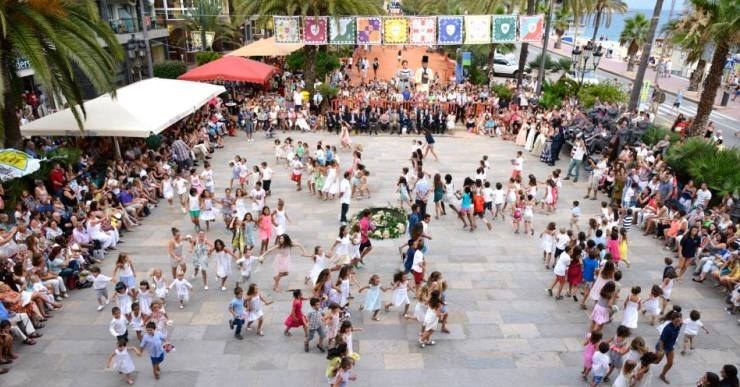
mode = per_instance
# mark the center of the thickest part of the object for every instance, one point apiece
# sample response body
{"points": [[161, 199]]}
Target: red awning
{"points": [[231, 68]]}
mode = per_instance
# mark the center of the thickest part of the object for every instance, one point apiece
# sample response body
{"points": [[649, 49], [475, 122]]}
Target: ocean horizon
{"points": [[617, 23]]}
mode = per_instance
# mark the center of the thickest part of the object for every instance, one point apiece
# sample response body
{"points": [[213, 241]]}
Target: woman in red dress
{"points": [[296, 318]]}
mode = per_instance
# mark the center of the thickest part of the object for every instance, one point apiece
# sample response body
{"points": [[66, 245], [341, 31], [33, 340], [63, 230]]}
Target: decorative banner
{"points": [[423, 31], [395, 30], [315, 30], [368, 30], [14, 164], [531, 28], [504, 29], [477, 29], [287, 29], [342, 30], [450, 29]]}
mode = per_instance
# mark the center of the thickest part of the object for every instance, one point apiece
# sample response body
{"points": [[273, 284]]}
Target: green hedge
{"points": [[605, 92], [699, 159], [170, 69], [656, 133], [204, 57]]}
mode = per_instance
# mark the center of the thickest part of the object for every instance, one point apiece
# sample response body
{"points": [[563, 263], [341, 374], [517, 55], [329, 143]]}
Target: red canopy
{"points": [[231, 68]]}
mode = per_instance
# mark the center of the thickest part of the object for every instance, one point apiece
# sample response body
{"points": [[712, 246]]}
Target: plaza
{"points": [[505, 330]]}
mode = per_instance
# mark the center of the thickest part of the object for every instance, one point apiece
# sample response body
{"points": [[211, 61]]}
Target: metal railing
{"points": [[132, 25]]}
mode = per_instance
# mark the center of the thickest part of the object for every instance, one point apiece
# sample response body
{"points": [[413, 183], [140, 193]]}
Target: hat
{"points": [[425, 59]]}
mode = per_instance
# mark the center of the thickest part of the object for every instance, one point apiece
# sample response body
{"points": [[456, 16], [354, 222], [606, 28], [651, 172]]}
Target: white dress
{"points": [[320, 263], [160, 287], [330, 184], [167, 190], [652, 306], [223, 264], [145, 302], [344, 292], [631, 315], [241, 208], [122, 362], [547, 243], [281, 221], [401, 295], [430, 319], [208, 213], [124, 302], [530, 139], [420, 311], [255, 309]]}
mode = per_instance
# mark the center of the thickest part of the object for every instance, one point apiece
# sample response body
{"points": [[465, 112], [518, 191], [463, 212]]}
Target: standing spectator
{"points": [[421, 190], [574, 168], [181, 154]]}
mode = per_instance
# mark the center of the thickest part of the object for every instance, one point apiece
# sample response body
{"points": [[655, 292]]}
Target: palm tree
{"points": [[603, 9], [57, 38], [633, 36], [724, 28], [560, 23], [579, 8], [691, 33], [267, 8], [208, 15]]}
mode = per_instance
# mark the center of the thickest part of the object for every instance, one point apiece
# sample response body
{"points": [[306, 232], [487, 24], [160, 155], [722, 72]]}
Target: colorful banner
{"points": [[477, 29], [315, 30], [368, 30], [531, 28], [395, 30], [504, 29], [342, 30], [423, 31], [287, 29], [450, 29]]}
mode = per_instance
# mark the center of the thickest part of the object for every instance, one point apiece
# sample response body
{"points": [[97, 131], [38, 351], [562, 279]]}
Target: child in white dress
{"points": [[160, 284], [120, 360], [168, 191], [254, 302], [631, 308], [320, 262], [652, 305], [400, 294], [245, 264], [182, 286]]}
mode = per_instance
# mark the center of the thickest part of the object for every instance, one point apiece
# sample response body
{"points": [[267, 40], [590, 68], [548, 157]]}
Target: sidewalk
{"points": [[670, 85]]}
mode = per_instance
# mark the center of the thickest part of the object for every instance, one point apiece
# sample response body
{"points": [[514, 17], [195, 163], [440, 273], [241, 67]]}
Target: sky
{"points": [[650, 4]]}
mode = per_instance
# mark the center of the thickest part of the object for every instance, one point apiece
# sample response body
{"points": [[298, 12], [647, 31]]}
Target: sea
{"points": [[617, 23]]}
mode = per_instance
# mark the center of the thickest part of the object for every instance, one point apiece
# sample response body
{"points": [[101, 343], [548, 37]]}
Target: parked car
{"points": [[589, 77]]}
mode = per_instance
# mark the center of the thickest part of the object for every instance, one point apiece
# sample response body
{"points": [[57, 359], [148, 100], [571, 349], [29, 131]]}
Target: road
{"points": [[729, 126]]}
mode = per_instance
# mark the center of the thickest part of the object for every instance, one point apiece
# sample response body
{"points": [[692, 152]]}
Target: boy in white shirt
{"points": [[518, 164], [600, 364], [245, 263], [183, 288], [499, 196], [266, 178], [691, 327], [487, 193], [118, 326], [100, 284], [575, 215]]}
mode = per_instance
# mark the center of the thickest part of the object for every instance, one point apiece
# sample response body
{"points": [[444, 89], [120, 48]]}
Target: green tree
{"points": [[56, 37], [170, 69], [691, 33], [267, 8], [724, 28], [603, 10], [633, 36], [208, 16], [560, 23]]}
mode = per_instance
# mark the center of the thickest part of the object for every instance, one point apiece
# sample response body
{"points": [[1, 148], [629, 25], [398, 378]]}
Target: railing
{"points": [[132, 25]]}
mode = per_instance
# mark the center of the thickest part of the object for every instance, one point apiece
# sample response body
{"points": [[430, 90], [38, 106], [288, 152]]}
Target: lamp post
{"points": [[580, 58], [136, 54]]}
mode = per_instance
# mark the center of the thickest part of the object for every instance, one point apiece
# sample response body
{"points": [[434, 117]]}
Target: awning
{"points": [[231, 68], [266, 47], [140, 109]]}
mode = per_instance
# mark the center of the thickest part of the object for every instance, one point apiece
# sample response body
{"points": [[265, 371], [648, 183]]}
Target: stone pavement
{"points": [[671, 85], [505, 329]]}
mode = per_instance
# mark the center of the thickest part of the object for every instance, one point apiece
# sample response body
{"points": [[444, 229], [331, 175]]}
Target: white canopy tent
{"points": [[138, 110]]}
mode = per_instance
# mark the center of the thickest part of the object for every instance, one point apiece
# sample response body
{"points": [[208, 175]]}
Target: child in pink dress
{"points": [[283, 260], [264, 228], [589, 347]]}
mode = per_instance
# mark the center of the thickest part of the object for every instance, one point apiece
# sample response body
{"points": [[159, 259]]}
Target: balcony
{"points": [[125, 27]]}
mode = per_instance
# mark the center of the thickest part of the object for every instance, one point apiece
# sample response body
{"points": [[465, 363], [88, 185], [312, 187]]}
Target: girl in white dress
{"points": [[548, 244], [631, 308], [137, 320], [340, 249], [241, 203], [161, 287], [208, 213], [320, 262], [181, 184], [120, 360], [145, 297], [400, 294], [330, 183], [343, 285], [431, 319], [280, 218], [223, 256], [168, 191], [420, 310], [652, 305], [254, 302]]}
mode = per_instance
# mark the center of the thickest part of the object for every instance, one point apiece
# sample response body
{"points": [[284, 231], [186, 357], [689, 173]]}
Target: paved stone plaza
{"points": [[505, 329]]}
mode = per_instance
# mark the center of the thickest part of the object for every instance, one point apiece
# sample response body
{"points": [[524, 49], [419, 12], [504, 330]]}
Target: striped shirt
{"points": [[627, 222], [180, 150]]}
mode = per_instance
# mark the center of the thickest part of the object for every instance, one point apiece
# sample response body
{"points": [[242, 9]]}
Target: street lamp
{"points": [[136, 50], [581, 56]]}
